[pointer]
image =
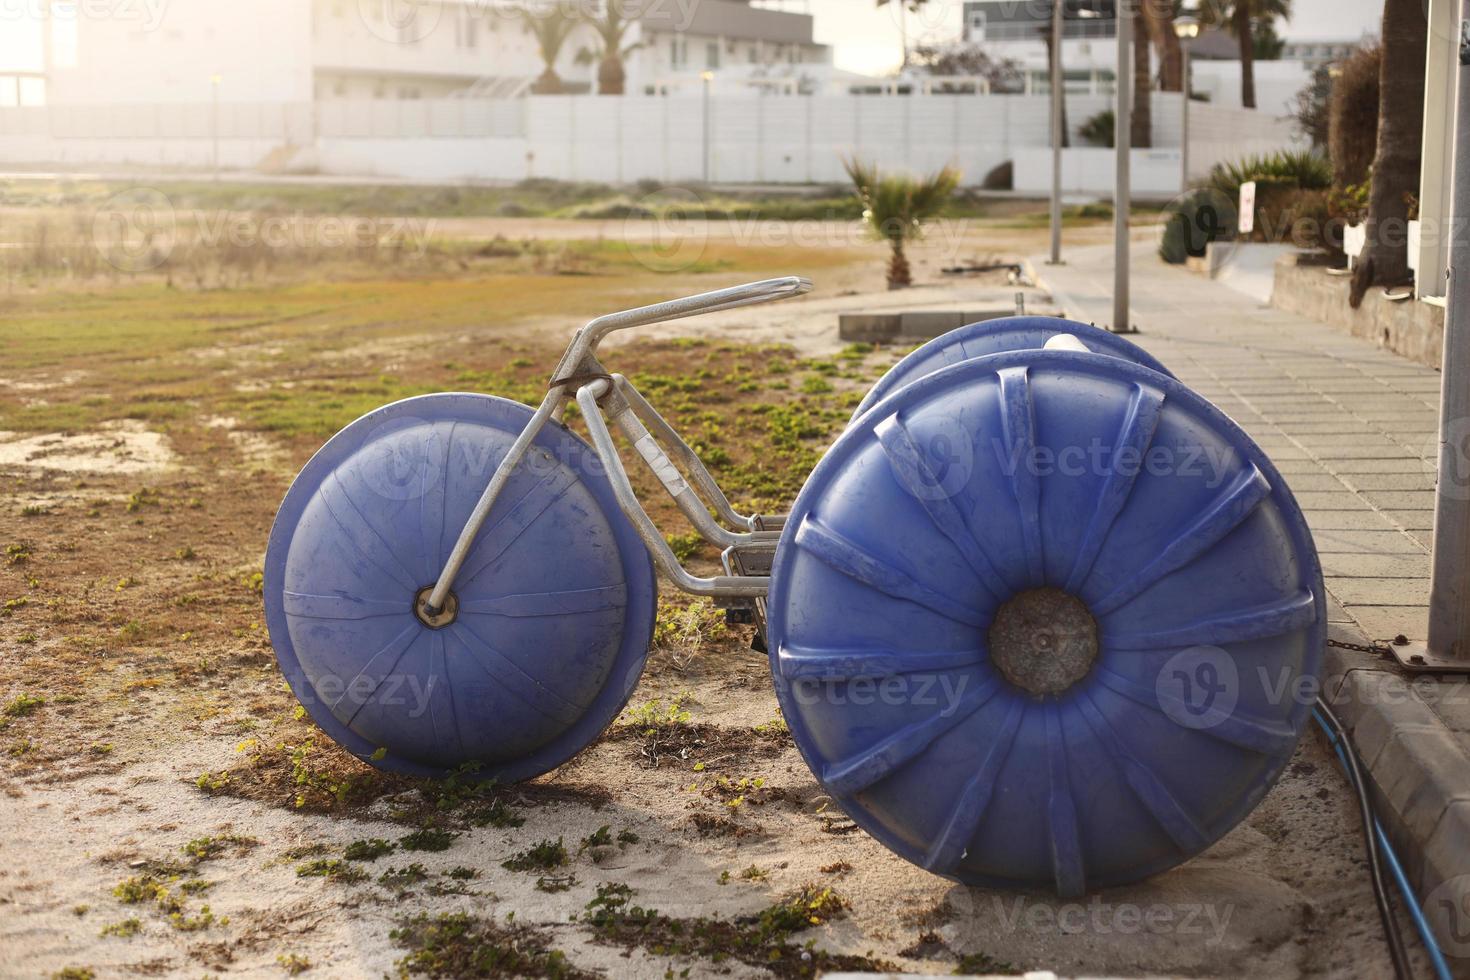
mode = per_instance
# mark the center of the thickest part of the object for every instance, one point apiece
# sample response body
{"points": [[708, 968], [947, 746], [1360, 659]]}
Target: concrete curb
{"points": [[1419, 773]]}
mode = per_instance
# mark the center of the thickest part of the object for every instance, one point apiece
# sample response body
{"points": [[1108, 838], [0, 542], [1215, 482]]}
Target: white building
{"points": [[1019, 32], [155, 51]]}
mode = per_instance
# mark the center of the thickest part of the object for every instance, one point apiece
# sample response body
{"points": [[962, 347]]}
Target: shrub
{"points": [[1098, 131], [1353, 125], [1303, 169], [1002, 177], [1194, 220]]}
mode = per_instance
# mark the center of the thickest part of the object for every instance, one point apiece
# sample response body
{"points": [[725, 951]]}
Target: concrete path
{"points": [[1353, 428]]}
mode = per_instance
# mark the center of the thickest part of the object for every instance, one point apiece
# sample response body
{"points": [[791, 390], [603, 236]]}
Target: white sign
{"points": [[1247, 207]]}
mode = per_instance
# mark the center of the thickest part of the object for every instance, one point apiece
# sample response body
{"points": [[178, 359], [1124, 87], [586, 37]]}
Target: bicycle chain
{"points": [[1381, 649]]}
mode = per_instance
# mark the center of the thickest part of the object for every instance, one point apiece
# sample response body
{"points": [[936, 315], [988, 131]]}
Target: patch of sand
{"points": [[123, 446]]}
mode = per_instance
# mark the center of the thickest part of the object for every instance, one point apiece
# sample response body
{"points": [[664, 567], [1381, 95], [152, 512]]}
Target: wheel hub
{"points": [[1043, 641], [430, 617]]}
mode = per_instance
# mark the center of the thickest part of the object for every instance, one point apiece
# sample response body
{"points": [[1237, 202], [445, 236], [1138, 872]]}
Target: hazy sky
{"points": [[865, 36]]}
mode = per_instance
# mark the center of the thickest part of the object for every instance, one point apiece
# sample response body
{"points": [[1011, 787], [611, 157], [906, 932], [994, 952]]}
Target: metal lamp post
{"points": [[708, 78], [1186, 28], [1058, 14], [1446, 648], [1123, 190]]}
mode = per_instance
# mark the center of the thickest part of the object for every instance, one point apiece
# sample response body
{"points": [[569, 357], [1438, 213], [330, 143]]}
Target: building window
{"points": [[678, 48], [712, 55], [976, 26]]}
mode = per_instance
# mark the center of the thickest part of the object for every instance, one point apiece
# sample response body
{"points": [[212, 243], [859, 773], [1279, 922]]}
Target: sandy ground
{"points": [[93, 797]]}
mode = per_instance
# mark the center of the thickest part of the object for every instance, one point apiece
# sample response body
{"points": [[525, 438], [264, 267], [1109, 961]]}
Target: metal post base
{"points": [[1416, 657]]}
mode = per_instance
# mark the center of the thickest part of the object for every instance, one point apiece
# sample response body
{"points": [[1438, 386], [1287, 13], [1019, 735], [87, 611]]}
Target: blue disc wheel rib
{"points": [[1037, 620], [547, 628], [996, 337]]}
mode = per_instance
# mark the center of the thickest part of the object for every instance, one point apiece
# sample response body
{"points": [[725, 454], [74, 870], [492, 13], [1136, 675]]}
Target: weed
{"points": [[332, 869], [462, 873], [32, 510], [544, 856], [555, 883], [400, 880], [755, 873], [293, 963], [196, 923], [23, 705], [601, 837], [685, 546], [626, 837], [212, 782], [18, 553], [462, 945], [428, 839], [654, 714], [124, 929], [368, 850], [494, 814], [74, 973], [762, 941], [983, 964], [815, 384], [145, 889], [205, 848]]}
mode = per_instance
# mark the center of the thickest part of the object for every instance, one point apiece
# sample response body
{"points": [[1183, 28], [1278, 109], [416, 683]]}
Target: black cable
{"points": [[1375, 860]]}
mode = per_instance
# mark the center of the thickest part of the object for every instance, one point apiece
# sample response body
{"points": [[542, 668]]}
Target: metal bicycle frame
{"points": [[603, 397]]}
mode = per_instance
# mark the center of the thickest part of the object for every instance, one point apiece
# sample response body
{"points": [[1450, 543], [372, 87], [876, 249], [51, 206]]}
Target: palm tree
{"points": [[1142, 134], [1243, 16], [612, 25], [551, 30], [895, 208], [1400, 143], [1159, 17]]}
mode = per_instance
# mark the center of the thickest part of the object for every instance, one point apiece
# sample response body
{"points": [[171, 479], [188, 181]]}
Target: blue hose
{"points": [[1436, 958]]}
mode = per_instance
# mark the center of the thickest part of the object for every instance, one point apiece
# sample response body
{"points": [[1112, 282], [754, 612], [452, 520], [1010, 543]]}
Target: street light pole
{"points": [[1186, 28], [1123, 190], [1058, 12], [1447, 648], [708, 78], [1184, 122]]}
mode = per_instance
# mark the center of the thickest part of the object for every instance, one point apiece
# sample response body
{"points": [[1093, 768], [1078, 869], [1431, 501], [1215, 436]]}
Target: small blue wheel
{"points": [[547, 628], [1042, 619], [996, 337]]}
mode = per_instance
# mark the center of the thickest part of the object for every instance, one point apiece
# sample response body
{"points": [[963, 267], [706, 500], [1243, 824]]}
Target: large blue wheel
{"points": [[547, 629], [1040, 619], [996, 337]]}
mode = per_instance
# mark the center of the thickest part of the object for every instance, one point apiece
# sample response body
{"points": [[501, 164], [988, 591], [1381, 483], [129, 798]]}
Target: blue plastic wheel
{"points": [[996, 337], [547, 629], [1039, 620]]}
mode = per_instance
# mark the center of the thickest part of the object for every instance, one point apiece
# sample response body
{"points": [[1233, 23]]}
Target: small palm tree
{"points": [[612, 25], [551, 30], [895, 208]]}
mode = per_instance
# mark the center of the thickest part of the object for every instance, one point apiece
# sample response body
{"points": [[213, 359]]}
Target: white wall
{"points": [[753, 139]]}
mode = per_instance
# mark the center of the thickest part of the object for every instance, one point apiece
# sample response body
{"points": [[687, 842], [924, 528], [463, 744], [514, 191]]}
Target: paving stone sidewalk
{"points": [[1353, 428]]}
